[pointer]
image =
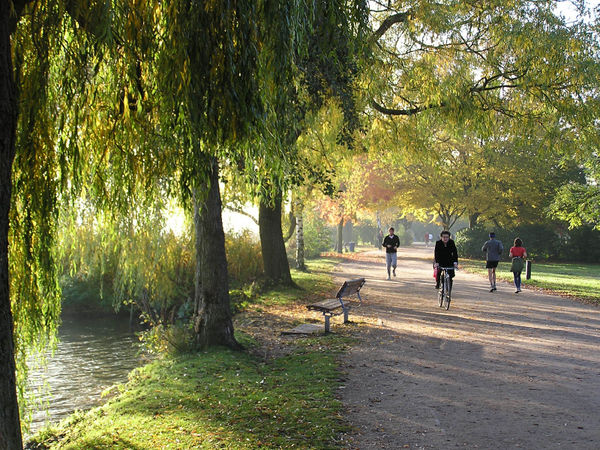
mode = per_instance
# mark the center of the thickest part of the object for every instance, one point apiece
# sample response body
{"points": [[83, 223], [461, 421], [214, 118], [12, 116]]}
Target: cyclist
{"points": [[445, 255]]}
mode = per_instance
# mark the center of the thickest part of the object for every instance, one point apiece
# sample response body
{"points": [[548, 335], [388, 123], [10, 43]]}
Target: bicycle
{"points": [[444, 296]]}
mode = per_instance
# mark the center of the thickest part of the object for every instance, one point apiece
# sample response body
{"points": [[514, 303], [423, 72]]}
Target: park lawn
{"points": [[580, 281], [221, 398]]}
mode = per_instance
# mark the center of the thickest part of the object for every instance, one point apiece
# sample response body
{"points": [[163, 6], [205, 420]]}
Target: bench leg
{"points": [[326, 322], [346, 315]]}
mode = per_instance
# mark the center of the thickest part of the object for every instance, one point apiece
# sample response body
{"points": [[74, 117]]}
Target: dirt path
{"points": [[497, 371]]}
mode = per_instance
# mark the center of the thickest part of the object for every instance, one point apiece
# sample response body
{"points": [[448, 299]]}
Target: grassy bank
{"points": [[574, 280], [226, 399]]}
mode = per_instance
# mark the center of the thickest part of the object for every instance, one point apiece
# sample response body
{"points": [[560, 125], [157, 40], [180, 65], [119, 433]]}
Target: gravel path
{"points": [[497, 371]]}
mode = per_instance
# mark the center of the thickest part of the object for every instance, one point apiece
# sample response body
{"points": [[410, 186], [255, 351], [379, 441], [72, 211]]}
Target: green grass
{"points": [[315, 282], [574, 280], [221, 398]]}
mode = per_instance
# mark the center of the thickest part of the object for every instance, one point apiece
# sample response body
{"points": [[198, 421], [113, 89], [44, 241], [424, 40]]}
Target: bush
{"points": [[175, 339], [581, 245], [244, 257], [540, 241], [317, 238]]}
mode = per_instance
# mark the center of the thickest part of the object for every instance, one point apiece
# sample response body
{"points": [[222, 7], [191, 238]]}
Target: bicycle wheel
{"points": [[447, 293], [441, 295]]}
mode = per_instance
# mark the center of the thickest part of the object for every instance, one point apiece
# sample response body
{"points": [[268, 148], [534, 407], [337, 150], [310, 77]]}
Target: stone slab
{"points": [[306, 328]]}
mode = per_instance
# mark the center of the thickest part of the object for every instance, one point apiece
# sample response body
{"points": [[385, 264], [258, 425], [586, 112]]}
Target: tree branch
{"points": [[242, 212], [290, 233], [388, 23], [403, 112]]}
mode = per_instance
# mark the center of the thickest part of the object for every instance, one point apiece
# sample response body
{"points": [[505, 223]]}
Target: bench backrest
{"points": [[350, 287]]}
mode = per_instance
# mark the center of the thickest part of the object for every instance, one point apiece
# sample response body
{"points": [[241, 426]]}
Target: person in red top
{"points": [[518, 255]]}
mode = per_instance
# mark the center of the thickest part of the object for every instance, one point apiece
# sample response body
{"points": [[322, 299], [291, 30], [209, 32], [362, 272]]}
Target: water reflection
{"points": [[93, 354]]}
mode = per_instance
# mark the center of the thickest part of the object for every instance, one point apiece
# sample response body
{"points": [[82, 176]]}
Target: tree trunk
{"points": [[212, 320], [292, 227], [10, 426], [473, 220], [300, 265], [339, 246], [275, 261]]}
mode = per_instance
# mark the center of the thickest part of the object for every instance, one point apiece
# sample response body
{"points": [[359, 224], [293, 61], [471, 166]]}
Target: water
{"points": [[92, 355]]}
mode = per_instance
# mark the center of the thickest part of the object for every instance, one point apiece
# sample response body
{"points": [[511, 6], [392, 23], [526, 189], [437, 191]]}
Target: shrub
{"points": [[582, 245], [317, 237], [541, 241], [169, 339], [244, 257]]}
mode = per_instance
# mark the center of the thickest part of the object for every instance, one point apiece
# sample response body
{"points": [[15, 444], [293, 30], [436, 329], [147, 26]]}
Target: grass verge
{"points": [[581, 281], [224, 399]]}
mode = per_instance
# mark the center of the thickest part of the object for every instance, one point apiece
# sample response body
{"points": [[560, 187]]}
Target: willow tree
{"points": [[50, 27], [326, 67], [10, 428], [57, 48], [220, 93], [33, 170]]}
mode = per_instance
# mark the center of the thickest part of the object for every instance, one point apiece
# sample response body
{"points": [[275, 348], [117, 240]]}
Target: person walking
{"points": [[518, 255], [445, 254], [391, 244], [493, 249]]}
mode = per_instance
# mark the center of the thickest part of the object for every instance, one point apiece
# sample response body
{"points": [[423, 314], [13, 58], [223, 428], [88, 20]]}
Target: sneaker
{"points": [[518, 290], [389, 278], [394, 272]]}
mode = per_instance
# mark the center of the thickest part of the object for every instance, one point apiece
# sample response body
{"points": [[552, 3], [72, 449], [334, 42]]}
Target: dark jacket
{"points": [[445, 255], [394, 241]]}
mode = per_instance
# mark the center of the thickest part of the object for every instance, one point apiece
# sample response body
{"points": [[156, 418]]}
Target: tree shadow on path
{"points": [[498, 370]]}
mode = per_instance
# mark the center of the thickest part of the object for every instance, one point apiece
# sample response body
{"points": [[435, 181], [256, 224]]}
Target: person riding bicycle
{"points": [[445, 255]]}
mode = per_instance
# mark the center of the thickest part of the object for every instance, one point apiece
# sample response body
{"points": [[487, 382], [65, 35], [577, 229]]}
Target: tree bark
{"points": [[300, 264], [473, 218], [213, 324], [291, 228], [10, 426], [275, 261], [339, 246]]}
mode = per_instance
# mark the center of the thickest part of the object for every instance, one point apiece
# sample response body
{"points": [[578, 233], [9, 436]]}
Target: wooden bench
{"points": [[336, 306]]}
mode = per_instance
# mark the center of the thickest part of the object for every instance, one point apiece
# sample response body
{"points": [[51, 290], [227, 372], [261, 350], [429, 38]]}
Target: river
{"points": [[92, 355]]}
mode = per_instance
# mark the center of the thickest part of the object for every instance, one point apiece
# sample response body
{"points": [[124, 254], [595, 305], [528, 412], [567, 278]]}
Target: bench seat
{"points": [[327, 306], [336, 306]]}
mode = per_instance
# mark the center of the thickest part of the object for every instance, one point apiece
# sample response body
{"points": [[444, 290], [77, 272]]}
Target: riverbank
{"points": [[280, 392]]}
